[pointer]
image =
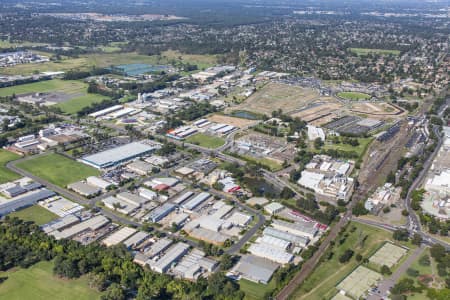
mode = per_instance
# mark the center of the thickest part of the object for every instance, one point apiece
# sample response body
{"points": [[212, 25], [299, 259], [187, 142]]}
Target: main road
{"points": [[413, 222]]}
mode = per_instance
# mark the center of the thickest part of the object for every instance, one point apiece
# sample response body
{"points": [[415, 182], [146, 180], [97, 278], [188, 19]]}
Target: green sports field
{"points": [[57, 169], [207, 141], [76, 104], [5, 174], [365, 51], [38, 283], [35, 213], [75, 90], [55, 85], [354, 96]]}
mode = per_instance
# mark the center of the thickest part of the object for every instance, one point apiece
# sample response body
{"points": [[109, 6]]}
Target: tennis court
{"points": [[388, 255], [359, 281]]}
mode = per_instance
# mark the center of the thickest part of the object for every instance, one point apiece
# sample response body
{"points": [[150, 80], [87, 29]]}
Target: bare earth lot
{"points": [[237, 122], [274, 96], [380, 110], [320, 113]]}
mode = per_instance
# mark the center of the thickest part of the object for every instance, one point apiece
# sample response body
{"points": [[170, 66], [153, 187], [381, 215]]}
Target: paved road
{"points": [[426, 239], [385, 285], [413, 221]]}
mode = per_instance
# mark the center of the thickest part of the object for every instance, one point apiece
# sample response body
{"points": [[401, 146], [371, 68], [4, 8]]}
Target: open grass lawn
{"points": [[207, 141], [5, 174], [75, 90], [365, 51], [354, 96], [57, 169], [271, 164], [35, 213], [55, 85], [38, 283], [202, 61], [360, 149], [76, 104], [255, 291], [322, 282]]}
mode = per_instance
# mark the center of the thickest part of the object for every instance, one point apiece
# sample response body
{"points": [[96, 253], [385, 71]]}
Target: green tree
{"points": [[113, 292], [416, 239], [401, 235]]}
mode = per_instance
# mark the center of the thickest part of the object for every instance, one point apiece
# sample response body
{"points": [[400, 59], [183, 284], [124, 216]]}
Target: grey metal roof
{"points": [[116, 155]]}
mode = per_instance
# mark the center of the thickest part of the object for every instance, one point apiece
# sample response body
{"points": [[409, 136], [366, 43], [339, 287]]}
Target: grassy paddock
{"points": [[271, 164], [360, 149], [5, 174], [76, 90], [36, 214], [207, 141], [38, 283], [202, 61], [365, 51], [76, 104], [55, 85], [255, 291], [354, 96], [57, 169]]}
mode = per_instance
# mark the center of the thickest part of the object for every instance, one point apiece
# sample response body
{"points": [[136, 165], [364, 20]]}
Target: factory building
{"points": [[274, 241], [273, 208], [160, 212], [193, 265], [60, 224], [136, 239], [183, 197], [119, 236], [196, 201], [254, 268], [113, 157], [302, 228], [271, 252], [158, 247], [84, 189], [140, 167], [169, 258], [147, 194], [297, 240], [10, 205], [120, 205], [132, 198], [91, 224], [98, 182], [105, 111]]}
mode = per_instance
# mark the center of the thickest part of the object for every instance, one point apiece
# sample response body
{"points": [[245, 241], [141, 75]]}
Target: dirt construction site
{"points": [[236, 122], [274, 96], [308, 105]]}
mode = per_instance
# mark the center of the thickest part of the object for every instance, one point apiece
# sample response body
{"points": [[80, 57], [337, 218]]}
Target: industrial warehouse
{"points": [[113, 157]]}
